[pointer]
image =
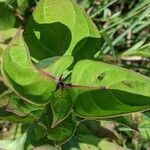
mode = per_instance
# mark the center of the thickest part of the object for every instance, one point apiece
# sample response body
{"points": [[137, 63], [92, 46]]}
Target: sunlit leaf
{"points": [[22, 76], [53, 32], [121, 91], [60, 66]]}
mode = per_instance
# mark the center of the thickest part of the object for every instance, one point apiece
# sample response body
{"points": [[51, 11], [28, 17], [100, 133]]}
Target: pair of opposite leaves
{"points": [[119, 91]]}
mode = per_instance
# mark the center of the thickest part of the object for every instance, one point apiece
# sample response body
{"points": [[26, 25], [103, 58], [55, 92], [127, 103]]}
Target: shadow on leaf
{"points": [[55, 39]]}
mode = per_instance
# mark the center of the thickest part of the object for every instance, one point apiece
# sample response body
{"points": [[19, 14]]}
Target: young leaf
{"points": [[121, 91], [53, 32], [20, 74], [60, 66], [61, 105]]}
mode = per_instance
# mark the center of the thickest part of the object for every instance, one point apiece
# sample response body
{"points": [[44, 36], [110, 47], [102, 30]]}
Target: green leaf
{"points": [[30, 83], [64, 131], [61, 105], [20, 107], [53, 32], [14, 109], [89, 127], [60, 66], [121, 91], [4, 115], [7, 19], [35, 134], [45, 121], [61, 100]]}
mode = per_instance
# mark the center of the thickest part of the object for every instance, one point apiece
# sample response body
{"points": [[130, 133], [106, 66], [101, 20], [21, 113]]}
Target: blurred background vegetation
{"points": [[125, 29]]}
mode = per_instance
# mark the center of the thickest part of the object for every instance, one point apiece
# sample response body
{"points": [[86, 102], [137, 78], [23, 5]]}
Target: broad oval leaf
{"points": [[61, 27], [121, 91], [20, 74]]}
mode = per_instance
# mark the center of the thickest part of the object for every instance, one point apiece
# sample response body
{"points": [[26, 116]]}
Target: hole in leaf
{"points": [[101, 76]]}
